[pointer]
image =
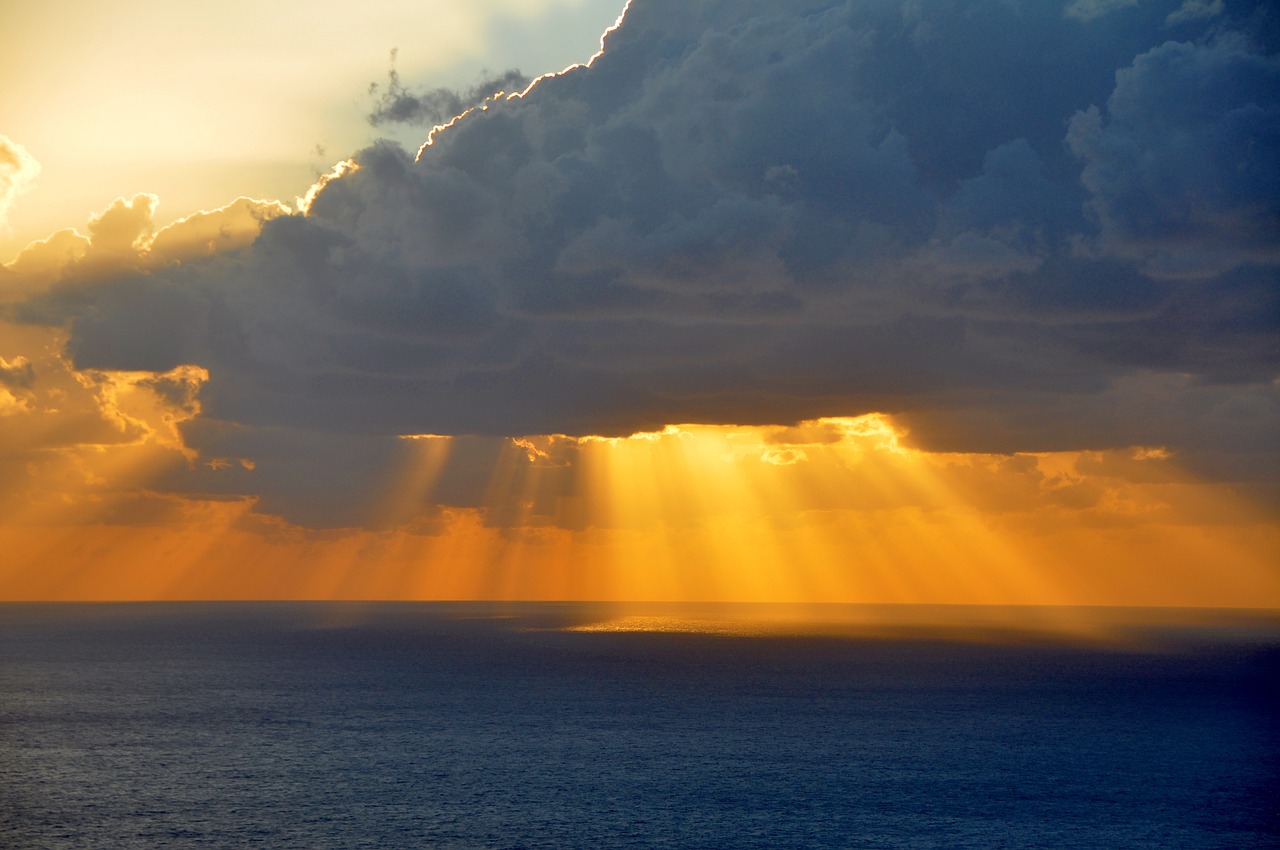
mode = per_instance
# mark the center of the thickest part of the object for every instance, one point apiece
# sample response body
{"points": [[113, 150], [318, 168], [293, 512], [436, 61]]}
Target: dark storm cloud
{"points": [[998, 216], [1174, 168]]}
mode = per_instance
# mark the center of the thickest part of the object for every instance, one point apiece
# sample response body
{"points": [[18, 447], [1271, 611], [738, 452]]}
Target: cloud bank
{"points": [[1014, 226]]}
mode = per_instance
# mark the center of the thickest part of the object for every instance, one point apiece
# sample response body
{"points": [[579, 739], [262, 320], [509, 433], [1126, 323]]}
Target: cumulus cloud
{"points": [[123, 238], [969, 212], [1183, 167], [18, 170]]}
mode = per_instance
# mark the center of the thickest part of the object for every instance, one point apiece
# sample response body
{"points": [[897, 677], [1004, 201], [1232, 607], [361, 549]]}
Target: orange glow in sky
{"points": [[104, 494], [834, 510]]}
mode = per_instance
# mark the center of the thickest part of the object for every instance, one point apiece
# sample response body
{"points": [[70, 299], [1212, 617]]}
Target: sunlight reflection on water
{"points": [[1145, 628]]}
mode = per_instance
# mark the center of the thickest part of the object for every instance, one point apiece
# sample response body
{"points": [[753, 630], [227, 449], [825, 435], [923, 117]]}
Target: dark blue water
{"points": [[387, 726]]}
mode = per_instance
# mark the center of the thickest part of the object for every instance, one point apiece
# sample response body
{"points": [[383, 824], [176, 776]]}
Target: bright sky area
{"points": [[202, 103]]}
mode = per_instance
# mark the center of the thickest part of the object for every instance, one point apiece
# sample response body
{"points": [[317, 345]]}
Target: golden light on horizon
{"points": [[768, 514], [835, 509]]}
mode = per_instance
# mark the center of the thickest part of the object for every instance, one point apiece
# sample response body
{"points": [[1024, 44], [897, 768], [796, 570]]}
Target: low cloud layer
{"points": [[1015, 226]]}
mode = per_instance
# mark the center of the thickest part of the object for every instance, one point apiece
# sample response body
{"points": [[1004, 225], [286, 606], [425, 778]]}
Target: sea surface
{"points": [[390, 725]]}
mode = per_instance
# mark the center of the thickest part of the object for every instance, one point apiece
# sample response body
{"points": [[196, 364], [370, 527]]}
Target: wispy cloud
{"points": [[397, 104]]}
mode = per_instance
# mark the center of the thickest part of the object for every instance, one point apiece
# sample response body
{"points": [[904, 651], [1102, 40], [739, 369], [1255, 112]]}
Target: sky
{"points": [[198, 106], [815, 301]]}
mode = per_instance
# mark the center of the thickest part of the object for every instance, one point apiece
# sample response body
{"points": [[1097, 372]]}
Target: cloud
{"points": [[977, 214], [84, 445], [1184, 169], [228, 228], [1087, 10], [1192, 10], [43, 261], [123, 239], [18, 170], [396, 104], [17, 373]]}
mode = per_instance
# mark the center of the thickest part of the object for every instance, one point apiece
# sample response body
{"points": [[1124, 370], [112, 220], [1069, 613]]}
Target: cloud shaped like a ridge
{"points": [[1009, 219]]}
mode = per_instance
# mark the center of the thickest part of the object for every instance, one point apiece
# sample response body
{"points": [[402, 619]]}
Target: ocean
{"points": [[470, 725]]}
